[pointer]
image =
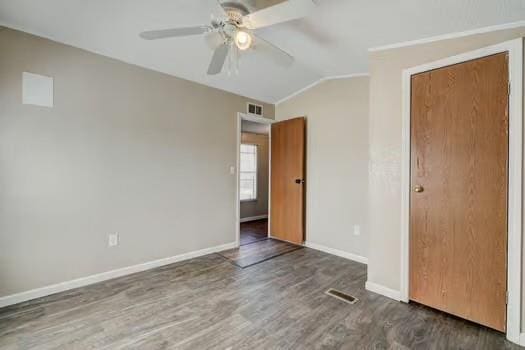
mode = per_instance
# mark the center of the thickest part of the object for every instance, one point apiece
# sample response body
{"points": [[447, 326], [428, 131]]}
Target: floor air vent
{"points": [[342, 296]]}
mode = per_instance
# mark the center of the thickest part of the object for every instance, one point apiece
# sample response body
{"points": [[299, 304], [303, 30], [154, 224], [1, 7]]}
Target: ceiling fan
{"points": [[234, 31]]}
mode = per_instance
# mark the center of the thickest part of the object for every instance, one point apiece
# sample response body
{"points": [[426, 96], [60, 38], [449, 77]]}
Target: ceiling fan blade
{"points": [[218, 59], [173, 32], [277, 54], [282, 12], [222, 11], [213, 39]]}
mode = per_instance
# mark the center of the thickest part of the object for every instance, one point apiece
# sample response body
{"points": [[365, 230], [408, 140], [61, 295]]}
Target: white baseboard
{"points": [[253, 218], [337, 252], [521, 340], [104, 276], [379, 289]]}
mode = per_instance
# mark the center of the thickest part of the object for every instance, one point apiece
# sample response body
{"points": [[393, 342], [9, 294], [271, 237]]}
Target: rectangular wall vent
{"points": [[37, 90], [255, 109]]}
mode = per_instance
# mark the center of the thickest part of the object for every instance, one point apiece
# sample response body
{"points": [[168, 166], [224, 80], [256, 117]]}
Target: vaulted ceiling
{"points": [[332, 41]]}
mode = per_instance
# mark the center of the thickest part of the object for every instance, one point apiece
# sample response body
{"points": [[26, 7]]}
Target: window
{"points": [[248, 172]]}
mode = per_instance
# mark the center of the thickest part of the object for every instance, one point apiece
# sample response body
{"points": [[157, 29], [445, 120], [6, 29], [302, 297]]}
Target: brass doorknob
{"points": [[418, 188]]}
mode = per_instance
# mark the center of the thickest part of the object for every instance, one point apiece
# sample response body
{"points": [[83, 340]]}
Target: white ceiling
{"points": [[332, 41]]}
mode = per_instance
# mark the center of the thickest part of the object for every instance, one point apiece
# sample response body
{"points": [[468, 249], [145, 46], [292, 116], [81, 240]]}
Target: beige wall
{"points": [[337, 161], [124, 150], [259, 206], [385, 144]]}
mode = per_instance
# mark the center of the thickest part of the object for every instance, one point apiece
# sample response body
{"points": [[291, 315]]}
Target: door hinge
{"points": [[507, 297]]}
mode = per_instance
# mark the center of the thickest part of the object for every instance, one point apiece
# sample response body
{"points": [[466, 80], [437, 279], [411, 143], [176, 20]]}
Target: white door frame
{"points": [[261, 120], [515, 50]]}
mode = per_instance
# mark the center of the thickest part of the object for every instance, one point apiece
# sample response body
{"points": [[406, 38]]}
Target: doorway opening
{"points": [[263, 233], [254, 171]]}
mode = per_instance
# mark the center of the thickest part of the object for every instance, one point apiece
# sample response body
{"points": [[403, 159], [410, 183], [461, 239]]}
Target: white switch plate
{"points": [[232, 170], [357, 230], [113, 239]]}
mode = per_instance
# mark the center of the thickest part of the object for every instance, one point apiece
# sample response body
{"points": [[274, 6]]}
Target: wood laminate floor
{"points": [[253, 231], [257, 252], [208, 303]]}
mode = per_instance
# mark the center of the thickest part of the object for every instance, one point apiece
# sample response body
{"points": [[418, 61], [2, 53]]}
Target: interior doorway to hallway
{"points": [[254, 170], [257, 239]]}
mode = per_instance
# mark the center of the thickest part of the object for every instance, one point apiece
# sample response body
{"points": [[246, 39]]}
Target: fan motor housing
{"points": [[235, 10]]}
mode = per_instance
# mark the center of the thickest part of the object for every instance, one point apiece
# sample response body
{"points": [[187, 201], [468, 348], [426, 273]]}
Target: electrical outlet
{"points": [[113, 239], [357, 230]]}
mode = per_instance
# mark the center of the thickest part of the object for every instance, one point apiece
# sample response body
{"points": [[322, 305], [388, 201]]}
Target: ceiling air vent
{"points": [[255, 109]]}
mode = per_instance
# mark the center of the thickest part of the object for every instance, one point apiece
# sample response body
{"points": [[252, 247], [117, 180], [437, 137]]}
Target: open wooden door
{"points": [[288, 180]]}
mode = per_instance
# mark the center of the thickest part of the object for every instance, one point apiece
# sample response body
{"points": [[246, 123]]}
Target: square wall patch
{"points": [[37, 90]]}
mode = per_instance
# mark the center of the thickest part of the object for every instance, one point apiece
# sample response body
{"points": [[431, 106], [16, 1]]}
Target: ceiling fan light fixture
{"points": [[243, 40], [232, 32]]}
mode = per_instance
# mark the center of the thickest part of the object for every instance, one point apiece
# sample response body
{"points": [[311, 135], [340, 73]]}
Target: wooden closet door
{"points": [[287, 180], [459, 179]]}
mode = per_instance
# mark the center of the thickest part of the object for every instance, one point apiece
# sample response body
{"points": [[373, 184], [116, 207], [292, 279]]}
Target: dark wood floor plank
{"points": [[253, 231], [208, 303]]}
